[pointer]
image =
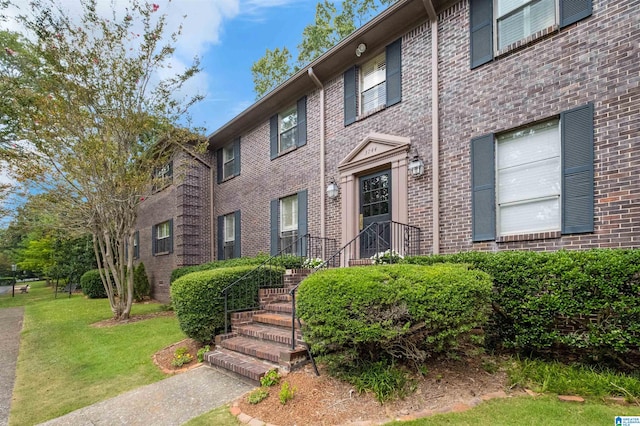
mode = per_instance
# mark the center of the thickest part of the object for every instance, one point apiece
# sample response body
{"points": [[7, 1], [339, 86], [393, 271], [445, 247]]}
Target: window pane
{"points": [[288, 139], [227, 170], [374, 97], [288, 119], [521, 23], [537, 216], [506, 6], [163, 230], [529, 145], [227, 153], [374, 72], [535, 180], [229, 228], [289, 213]]}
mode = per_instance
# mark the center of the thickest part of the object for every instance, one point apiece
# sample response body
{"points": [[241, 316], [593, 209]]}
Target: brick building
{"points": [[524, 116]]}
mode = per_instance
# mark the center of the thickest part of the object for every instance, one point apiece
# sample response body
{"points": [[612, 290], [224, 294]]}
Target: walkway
{"points": [[10, 327], [170, 402]]}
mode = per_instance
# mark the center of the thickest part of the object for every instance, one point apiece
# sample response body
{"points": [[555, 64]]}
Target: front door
{"points": [[375, 207]]}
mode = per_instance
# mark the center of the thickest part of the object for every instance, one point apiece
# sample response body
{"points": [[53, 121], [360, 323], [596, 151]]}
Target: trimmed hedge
{"points": [[582, 302], [92, 286], [401, 311], [198, 302]]}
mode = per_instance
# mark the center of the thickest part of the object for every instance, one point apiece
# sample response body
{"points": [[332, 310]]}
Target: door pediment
{"points": [[373, 148]]}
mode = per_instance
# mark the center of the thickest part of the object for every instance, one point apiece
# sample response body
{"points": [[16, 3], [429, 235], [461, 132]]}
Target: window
{"points": [[289, 223], [377, 83], [529, 180], [163, 238], [373, 88], [228, 161], [535, 180], [288, 129], [518, 19], [497, 24], [136, 245], [229, 236], [163, 176]]}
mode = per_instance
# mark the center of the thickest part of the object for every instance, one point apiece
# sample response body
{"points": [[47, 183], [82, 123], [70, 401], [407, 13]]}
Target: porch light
{"points": [[416, 167], [332, 190]]}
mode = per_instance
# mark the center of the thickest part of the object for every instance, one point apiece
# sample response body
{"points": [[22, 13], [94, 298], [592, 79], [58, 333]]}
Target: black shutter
{"points": [[237, 250], [483, 210], [220, 237], [394, 72], [154, 234], [574, 10], [302, 122], [481, 35], [219, 160], [236, 156], [273, 134], [350, 96], [577, 169], [275, 225], [302, 222], [170, 235]]}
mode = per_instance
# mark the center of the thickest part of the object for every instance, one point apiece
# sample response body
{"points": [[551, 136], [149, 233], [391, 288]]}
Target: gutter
{"points": [[323, 231]]}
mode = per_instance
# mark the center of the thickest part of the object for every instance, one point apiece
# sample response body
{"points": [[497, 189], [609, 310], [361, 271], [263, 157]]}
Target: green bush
{"points": [[286, 261], [199, 304], [141, 287], [393, 311], [565, 303], [92, 286]]}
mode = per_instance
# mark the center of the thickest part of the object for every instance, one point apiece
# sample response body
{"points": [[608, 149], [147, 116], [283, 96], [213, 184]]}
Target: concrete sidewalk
{"points": [[10, 327], [171, 401]]}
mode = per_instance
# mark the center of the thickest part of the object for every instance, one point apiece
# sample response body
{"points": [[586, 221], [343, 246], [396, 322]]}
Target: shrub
{"points": [[566, 304], [286, 393], [181, 357], [397, 311], [385, 381], [141, 287], [271, 378], [199, 304], [92, 286], [257, 395]]}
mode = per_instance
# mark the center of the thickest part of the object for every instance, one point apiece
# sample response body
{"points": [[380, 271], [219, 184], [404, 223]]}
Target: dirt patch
{"points": [[133, 318], [164, 357], [326, 401]]}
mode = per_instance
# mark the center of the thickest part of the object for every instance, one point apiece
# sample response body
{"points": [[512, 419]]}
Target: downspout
{"points": [[435, 130], [323, 232]]}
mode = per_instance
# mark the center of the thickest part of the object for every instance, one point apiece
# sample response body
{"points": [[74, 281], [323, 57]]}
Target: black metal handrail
{"points": [[379, 242], [243, 294]]}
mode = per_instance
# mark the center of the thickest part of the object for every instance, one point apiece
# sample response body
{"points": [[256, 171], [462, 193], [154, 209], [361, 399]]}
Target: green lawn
{"points": [[65, 363]]}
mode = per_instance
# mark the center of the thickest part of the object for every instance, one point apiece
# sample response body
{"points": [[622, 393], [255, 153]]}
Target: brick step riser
{"points": [[277, 308], [276, 355], [216, 360], [266, 336], [278, 320]]}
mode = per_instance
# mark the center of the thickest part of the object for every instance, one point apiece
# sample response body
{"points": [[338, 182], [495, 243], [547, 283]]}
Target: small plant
{"points": [[312, 263], [286, 393], [201, 352], [423, 370], [270, 378], [386, 257], [257, 395], [181, 357]]}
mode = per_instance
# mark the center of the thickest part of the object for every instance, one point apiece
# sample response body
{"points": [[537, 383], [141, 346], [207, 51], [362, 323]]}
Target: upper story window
{"points": [[136, 245], [373, 87], [163, 176], [518, 19], [228, 161], [288, 129], [496, 26]]}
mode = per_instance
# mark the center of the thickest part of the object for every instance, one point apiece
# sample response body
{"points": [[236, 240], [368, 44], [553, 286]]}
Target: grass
{"points": [[65, 363], [219, 417], [523, 411]]}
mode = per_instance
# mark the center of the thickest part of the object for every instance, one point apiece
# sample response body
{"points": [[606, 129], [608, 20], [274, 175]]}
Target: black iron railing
{"points": [[243, 294], [379, 242]]}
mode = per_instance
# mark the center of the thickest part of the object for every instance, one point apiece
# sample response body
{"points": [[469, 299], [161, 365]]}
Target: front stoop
{"points": [[261, 340]]}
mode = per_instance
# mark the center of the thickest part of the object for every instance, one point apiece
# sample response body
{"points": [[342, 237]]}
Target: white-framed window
{"points": [[229, 235], [136, 245], [529, 180], [163, 176], [373, 87], [287, 128], [228, 157], [289, 223], [518, 19], [163, 238]]}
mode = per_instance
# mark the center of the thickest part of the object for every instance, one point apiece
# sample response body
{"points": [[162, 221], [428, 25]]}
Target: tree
{"points": [[330, 26], [95, 119]]}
